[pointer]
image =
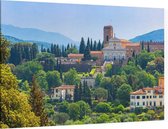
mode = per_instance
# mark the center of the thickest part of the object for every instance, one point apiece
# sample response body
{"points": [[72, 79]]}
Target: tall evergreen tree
{"points": [[91, 45], [36, 100], [76, 94], [52, 48], [142, 45], [34, 50], [87, 55], [82, 46], [99, 46], [148, 48], [88, 42], [95, 46]]}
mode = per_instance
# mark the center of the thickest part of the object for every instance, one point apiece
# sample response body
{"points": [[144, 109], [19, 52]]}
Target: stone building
{"points": [[108, 34], [98, 55], [90, 81], [75, 57], [131, 48], [114, 50], [153, 46], [63, 92]]}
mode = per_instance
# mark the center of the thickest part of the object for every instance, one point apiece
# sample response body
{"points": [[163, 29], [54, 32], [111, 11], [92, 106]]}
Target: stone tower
{"points": [[108, 34]]}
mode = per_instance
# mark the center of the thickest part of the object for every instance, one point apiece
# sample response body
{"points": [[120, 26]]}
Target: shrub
{"points": [[103, 107]]}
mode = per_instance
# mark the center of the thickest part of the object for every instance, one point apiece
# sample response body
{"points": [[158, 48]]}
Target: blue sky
{"points": [[76, 21]]}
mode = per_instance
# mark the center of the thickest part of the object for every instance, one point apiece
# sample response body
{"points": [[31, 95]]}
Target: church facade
{"points": [[113, 49]]}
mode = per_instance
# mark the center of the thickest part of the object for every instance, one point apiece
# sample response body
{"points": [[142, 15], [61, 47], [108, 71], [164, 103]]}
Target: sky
{"points": [[76, 21]]}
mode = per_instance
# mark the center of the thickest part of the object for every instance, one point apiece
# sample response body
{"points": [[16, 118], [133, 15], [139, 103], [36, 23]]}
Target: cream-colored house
{"points": [[148, 97], [64, 92]]}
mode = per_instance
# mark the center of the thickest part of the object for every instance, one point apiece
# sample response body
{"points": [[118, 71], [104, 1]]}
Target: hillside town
{"points": [[116, 52], [111, 81]]}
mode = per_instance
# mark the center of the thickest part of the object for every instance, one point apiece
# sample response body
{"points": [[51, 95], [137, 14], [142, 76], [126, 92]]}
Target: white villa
{"points": [[148, 97], [64, 92]]}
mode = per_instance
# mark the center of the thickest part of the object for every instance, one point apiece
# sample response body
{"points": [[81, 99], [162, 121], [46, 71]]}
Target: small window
{"points": [[154, 96], [154, 103], [147, 97], [161, 103], [150, 97], [150, 103], [138, 97], [137, 103], [149, 91], [160, 96], [143, 97], [143, 103], [133, 97]]}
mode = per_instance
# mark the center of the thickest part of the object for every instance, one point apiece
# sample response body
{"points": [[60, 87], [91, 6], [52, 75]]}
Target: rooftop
{"points": [[96, 52], [65, 87], [75, 55], [157, 89]]}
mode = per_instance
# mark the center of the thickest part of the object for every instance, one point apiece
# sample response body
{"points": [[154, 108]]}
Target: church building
{"points": [[113, 49]]}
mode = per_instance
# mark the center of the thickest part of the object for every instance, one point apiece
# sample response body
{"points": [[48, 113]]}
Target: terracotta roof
{"points": [[138, 92], [96, 52], [157, 89], [65, 87], [125, 41], [148, 88], [75, 55], [133, 45]]}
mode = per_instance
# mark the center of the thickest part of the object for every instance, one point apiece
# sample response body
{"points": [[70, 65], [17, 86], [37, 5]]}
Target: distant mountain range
{"points": [[156, 35], [32, 34], [16, 40], [40, 37]]}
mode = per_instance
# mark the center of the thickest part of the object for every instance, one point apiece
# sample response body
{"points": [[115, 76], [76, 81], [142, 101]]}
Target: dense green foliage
{"points": [[21, 52], [15, 108], [47, 60], [123, 94], [53, 79], [71, 77], [4, 50], [26, 70]]}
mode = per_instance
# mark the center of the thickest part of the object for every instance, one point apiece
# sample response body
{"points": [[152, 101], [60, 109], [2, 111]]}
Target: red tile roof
{"points": [[96, 52], [75, 55], [138, 92], [157, 89], [133, 45], [65, 87]]}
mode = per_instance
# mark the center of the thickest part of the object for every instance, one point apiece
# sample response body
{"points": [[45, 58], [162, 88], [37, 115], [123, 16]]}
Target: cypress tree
{"points": [[142, 45], [37, 104], [91, 45], [87, 55], [76, 94], [99, 46], [148, 48], [34, 50], [52, 48], [82, 46], [95, 46], [88, 42]]}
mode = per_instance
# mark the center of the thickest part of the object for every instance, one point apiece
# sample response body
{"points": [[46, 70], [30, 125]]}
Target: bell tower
{"points": [[108, 34]]}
